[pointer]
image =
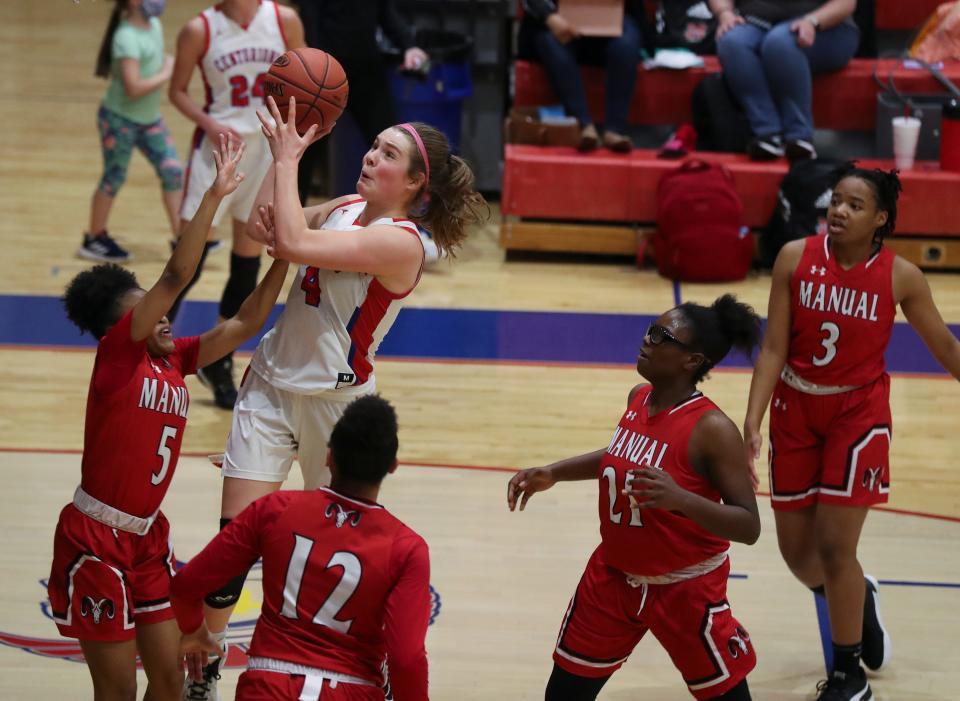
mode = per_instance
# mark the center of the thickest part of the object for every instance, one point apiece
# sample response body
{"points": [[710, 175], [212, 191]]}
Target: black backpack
{"points": [[720, 122], [803, 198], [686, 24]]}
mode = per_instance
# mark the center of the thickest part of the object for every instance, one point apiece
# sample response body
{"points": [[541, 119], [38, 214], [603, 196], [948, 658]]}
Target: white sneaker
{"points": [[206, 690]]}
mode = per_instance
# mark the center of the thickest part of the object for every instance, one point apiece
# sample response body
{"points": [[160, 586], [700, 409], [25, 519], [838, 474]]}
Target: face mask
{"points": [[153, 8]]}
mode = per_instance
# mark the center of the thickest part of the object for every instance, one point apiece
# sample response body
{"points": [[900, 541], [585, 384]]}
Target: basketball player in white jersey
{"points": [[359, 257], [232, 44]]}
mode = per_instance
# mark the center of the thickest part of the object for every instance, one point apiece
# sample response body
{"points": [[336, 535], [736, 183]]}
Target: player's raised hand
{"points": [[526, 483], [655, 489], [286, 144], [227, 157], [265, 227], [197, 648], [753, 442]]}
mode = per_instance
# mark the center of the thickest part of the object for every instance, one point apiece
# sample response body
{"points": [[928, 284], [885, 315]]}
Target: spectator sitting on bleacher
{"points": [[548, 37], [769, 50]]}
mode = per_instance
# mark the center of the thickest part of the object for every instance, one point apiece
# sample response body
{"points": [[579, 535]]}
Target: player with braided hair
{"points": [[832, 304]]}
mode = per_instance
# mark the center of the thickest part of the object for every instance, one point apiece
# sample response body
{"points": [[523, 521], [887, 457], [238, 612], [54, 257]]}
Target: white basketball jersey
{"points": [[332, 324], [236, 61]]}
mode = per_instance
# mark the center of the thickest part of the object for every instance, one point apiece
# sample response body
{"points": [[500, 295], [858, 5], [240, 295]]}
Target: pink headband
{"points": [[423, 150]]}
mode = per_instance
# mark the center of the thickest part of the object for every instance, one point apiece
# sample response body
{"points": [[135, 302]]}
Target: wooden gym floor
{"points": [[515, 395]]}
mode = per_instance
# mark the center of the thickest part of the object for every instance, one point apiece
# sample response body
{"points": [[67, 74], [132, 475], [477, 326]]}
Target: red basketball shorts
{"points": [[105, 581], [832, 449], [257, 685], [608, 616]]}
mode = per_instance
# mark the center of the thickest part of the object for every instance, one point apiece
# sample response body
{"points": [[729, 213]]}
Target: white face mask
{"points": [[153, 8]]}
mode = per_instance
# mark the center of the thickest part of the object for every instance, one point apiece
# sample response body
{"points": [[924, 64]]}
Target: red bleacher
{"points": [[561, 184], [558, 199], [904, 14], [846, 99]]}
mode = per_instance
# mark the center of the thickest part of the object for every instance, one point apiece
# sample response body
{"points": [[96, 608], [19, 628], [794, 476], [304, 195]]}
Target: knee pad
{"points": [[229, 594], [566, 686], [741, 692], [242, 281]]}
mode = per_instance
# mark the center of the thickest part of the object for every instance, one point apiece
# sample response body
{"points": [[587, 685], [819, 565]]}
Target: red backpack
{"points": [[700, 234]]}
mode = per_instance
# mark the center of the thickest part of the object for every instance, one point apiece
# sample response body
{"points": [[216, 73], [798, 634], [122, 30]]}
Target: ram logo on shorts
{"points": [[97, 608], [871, 478], [737, 644]]}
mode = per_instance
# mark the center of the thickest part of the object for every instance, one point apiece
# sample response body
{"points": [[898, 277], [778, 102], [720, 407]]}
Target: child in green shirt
{"points": [[132, 57]]}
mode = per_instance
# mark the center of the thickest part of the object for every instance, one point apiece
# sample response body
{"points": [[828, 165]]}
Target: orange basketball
{"points": [[317, 81]]}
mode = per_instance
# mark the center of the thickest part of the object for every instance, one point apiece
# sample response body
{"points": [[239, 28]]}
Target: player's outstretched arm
{"points": [[715, 450], [773, 352], [186, 256], [229, 334], [232, 551], [912, 292], [526, 483], [315, 215], [407, 616]]}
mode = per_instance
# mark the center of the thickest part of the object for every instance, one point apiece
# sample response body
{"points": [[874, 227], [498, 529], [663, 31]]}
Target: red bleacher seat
{"points": [[556, 183], [846, 99], [904, 14]]}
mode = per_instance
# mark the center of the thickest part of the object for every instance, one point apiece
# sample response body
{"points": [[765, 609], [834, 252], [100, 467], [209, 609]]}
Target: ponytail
{"points": [[724, 325], [105, 55], [449, 203]]}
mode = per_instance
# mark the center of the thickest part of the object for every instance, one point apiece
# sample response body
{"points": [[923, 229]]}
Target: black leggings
{"points": [[564, 686]]}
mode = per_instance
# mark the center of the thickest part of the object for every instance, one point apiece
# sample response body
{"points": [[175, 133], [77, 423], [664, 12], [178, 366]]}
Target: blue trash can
{"points": [[434, 96]]}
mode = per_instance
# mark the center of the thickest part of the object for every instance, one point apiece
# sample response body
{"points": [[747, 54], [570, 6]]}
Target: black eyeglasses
{"points": [[657, 335]]}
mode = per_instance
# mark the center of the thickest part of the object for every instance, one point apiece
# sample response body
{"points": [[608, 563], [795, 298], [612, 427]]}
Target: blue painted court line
{"points": [[677, 295], [908, 583], [461, 334]]}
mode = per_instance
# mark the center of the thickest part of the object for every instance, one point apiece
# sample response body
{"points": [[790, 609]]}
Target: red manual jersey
{"points": [[841, 320], [345, 583], [136, 412], [653, 542]]}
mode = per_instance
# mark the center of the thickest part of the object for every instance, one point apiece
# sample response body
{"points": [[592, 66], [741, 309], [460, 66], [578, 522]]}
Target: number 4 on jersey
{"points": [[311, 286]]}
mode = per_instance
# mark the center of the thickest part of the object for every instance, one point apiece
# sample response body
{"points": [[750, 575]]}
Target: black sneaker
{"points": [[765, 148], [206, 689], [876, 639], [103, 248], [844, 687], [218, 376], [800, 150]]}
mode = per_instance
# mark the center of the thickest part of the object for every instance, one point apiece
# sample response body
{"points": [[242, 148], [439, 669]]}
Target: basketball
{"points": [[317, 81]]}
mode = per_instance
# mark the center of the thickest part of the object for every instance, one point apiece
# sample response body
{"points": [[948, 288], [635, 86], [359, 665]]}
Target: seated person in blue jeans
{"points": [[548, 37], [769, 51]]}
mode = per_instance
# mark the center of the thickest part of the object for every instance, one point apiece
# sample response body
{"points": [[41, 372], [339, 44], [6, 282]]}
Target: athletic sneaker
{"points": [[102, 247], [206, 690], [844, 687], [876, 639], [218, 377], [766, 148], [800, 150]]}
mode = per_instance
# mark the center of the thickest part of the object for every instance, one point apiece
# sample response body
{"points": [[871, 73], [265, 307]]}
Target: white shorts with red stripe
{"points": [[272, 426]]}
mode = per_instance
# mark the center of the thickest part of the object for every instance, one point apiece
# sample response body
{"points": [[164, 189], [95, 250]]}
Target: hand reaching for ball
{"points": [[286, 145], [227, 157]]}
